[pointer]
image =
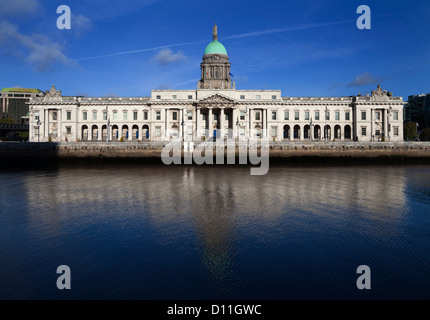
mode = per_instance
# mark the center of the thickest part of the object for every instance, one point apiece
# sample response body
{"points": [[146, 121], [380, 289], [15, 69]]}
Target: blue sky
{"points": [[303, 47]]}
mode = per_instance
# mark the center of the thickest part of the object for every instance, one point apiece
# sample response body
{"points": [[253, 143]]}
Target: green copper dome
{"points": [[215, 47]]}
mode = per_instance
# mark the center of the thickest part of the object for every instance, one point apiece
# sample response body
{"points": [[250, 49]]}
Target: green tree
{"points": [[425, 134], [7, 121], [410, 131]]}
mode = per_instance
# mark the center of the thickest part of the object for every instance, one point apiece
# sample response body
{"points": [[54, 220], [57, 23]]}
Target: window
{"points": [[363, 115], [227, 117], [134, 115], [104, 115], [257, 116], [273, 131], [274, 97], [396, 116], [396, 131], [124, 115], [36, 131], [158, 115], [174, 97], [145, 115], [286, 115], [54, 116], [215, 117], [242, 131], [94, 115], [36, 116], [306, 115], [378, 132], [337, 115], [69, 115], [115, 116], [204, 116], [69, 130], [273, 115], [242, 96], [296, 115], [190, 97], [257, 97], [327, 115], [377, 116], [158, 97], [158, 131], [174, 116], [347, 116], [317, 115], [190, 115], [242, 115], [363, 131]]}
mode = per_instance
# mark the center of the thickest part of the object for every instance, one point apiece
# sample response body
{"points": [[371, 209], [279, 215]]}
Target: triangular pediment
{"points": [[217, 99]]}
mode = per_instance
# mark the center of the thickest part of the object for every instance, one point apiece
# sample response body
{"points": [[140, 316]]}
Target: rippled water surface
{"points": [[157, 232]]}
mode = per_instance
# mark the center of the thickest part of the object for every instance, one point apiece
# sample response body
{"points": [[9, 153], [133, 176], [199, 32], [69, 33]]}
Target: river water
{"points": [[212, 232]]}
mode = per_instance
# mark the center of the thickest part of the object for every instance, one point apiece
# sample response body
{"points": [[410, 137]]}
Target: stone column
{"points": [[234, 121], [210, 126], [166, 124], [263, 123], [384, 117], [197, 122], [59, 125], [46, 126], [221, 123], [181, 126], [249, 123]]}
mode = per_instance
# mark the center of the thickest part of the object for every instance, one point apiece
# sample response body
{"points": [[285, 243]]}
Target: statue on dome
{"points": [[215, 32]]}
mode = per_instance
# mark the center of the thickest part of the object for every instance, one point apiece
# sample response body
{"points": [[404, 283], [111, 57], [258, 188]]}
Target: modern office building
{"points": [[418, 110], [14, 103]]}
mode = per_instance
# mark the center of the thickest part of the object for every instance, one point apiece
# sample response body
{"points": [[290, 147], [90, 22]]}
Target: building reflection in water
{"points": [[221, 207]]}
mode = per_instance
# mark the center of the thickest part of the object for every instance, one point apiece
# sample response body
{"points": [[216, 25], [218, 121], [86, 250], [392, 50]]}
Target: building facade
{"points": [[418, 110], [14, 103], [215, 109]]}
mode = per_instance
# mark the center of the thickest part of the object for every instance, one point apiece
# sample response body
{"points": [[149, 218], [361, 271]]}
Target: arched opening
{"points": [[257, 131], [104, 132], [347, 132], [145, 132], [327, 132], [307, 131], [135, 130], [115, 132], [296, 132], [287, 132], [124, 132], [94, 132], [84, 132], [337, 132], [317, 132]]}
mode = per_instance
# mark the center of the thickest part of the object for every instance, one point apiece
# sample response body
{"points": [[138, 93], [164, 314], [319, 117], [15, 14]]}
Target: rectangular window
{"points": [[54, 116], [134, 115], [273, 132], [158, 97], [69, 130], [377, 116], [84, 116], [69, 115], [226, 117], [257, 97], [274, 97], [115, 116], [158, 115], [327, 115], [242, 97], [363, 115], [190, 115], [104, 115], [257, 116], [145, 115], [242, 115], [306, 115], [337, 115], [363, 131], [296, 115], [174, 97], [242, 131], [36, 131], [317, 115], [204, 116], [158, 132], [396, 116], [273, 115], [396, 131], [36, 116], [190, 97], [347, 116], [215, 117], [125, 115], [286, 115], [174, 116], [94, 115], [378, 132]]}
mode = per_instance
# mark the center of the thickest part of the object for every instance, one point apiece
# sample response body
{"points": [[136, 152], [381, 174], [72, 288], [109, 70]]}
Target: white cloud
{"points": [[166, 56], [81, 24], [38, 50], [363, 79]]}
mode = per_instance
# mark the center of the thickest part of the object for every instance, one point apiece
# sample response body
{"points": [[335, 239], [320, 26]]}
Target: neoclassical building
{"points": [[215, 106]]}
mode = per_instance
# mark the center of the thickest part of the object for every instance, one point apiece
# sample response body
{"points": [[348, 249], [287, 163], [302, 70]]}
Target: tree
{"points": [[425, 134], [410, 131], [7, 121]]}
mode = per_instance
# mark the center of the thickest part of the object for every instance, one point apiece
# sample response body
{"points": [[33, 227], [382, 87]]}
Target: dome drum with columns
{"points": [[213, 108]]}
